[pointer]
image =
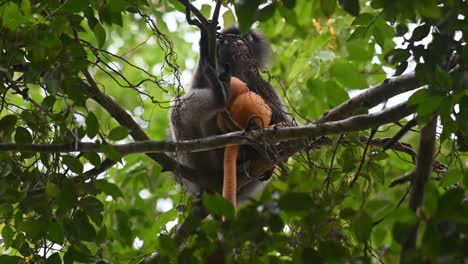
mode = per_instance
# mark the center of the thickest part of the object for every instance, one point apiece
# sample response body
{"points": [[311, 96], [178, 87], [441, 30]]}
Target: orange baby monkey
{"points": [[244, 107]]}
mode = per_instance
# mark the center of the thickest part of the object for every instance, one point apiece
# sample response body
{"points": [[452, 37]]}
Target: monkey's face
{"points": [[233, 50], [242, 51]]}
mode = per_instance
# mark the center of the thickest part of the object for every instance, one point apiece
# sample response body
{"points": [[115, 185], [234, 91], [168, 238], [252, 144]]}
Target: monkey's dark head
{"points": [[243, 51]]}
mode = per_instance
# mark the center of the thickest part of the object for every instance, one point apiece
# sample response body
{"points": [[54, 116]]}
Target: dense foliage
{"points": [[58, 60]]}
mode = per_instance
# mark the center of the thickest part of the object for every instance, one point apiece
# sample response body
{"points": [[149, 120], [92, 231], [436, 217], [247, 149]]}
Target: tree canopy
{"points": [[379, 89]]}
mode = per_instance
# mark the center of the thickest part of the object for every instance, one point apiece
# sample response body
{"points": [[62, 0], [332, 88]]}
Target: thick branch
{"points": [[356, 123], [119, 114], [422, 173], [372, 96]]}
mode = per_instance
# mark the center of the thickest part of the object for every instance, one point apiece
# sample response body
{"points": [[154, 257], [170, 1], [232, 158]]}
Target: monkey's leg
{"points": [[230, 173]]}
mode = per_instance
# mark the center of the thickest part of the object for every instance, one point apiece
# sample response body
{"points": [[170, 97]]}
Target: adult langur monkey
{"points": [[195, 116]]}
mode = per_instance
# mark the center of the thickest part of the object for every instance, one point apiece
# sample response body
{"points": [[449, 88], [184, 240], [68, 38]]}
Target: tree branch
{"points": [[372, 96], [215, 17], [422, 173], [356, 123], [202, 21], [119, 114]]}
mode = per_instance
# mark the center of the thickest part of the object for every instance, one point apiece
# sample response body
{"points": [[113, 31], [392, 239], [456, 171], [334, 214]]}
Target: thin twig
{"points": [[361, 164], [330, 169]]}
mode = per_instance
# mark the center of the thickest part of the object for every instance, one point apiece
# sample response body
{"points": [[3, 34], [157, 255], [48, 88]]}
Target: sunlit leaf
{"points": [[218, 205], [118, 133]]}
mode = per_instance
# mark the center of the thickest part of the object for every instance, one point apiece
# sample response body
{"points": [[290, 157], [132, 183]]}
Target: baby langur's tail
{"points": [[230, 173], [244, 107]]}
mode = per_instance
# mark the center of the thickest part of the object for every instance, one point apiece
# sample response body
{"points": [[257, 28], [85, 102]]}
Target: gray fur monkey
{"points": [[195, 115]]}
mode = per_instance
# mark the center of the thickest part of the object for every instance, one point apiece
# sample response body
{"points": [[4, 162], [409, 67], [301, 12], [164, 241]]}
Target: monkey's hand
{"points": [[225, 79], [220, 85], [225, 76]]}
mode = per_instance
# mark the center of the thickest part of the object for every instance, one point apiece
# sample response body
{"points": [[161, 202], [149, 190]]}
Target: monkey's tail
{"points": [[230, 173]]}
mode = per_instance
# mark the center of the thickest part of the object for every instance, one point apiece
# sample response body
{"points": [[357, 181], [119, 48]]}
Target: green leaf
{"points": [[78, 252], [450, 204], [431, 198], [111, 152], [6, 259], [347, 160], [350, 6], [401, 29], [167, 245], [48, 102], [52, 84], [364, 19], [118, 6], [211, 228], [92, 125], [177, 5], [31, 227], [93, 158], [54, 259], [289, 15], [418, 97], [362, 226], [276, 223], [347, 213], [328, 7], [68, 194], [100, 34], [420, 32], [383, 34], [86, 230], [7, 235], [108, 188], [360, 33], [290, 4], [295, 201], [105, 14], [52, 190], [217, 205], [75, 6], [206, 10], [7, 124], [452, 177], [310, 255], [12, 16], [73, 163], [55, 232], [266, 13], [379, 155], [22, 136], [229, 19], [430, 105], [397, 55], [401, 232], [92, 207], [246, 12], [26, 7], [118, 133], [123, 225], [348, 75], [74, 89]]}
